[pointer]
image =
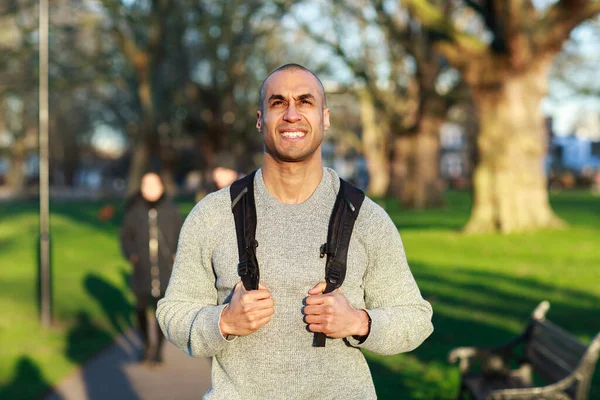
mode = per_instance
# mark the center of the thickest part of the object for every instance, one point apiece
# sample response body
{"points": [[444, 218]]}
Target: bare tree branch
{"points": [[458, 47], [393, 31], [555, 27], [486, 11]]}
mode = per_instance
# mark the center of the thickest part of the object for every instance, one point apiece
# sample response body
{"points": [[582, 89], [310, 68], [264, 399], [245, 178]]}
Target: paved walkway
{"points": [[114, 374]]}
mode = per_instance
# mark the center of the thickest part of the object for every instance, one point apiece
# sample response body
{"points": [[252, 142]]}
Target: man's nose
{"points": [[291, 114]]}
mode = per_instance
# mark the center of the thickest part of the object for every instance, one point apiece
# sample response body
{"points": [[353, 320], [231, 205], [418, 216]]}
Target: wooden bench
{"points": [[544, 362]]}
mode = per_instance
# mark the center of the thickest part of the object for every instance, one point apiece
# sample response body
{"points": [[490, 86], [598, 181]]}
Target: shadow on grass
{"points": [[577, 207], [495, 296], [7, 244], [17, 207], [475, 308], [85, 338], [112, 300], [102, 379], [27, 383]]}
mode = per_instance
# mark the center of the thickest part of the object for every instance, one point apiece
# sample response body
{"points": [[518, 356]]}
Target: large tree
{"points": [[402, 109], [507, 71]]}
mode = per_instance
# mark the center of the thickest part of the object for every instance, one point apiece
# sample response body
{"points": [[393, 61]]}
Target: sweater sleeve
{"points": [[401, 318], [189, 314]]}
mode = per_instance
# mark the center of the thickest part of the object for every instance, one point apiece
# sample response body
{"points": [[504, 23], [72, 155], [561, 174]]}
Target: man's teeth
{"points": [[293, 134]]}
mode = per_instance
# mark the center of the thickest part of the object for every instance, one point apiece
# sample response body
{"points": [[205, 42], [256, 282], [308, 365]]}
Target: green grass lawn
{"points": [[482, 289]]}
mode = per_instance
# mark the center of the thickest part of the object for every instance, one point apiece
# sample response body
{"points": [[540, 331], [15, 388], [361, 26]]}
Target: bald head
{"points": [[290, 67]]}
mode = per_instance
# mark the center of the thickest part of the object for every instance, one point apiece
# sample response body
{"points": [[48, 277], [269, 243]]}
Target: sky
{"points": [[579, 63]]}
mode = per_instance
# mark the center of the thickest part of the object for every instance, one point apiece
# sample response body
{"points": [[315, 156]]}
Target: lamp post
{"points": [[44, 277]]}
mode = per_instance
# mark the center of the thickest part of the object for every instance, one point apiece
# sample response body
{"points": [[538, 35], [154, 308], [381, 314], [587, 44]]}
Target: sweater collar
{"points": [[327, 188]]}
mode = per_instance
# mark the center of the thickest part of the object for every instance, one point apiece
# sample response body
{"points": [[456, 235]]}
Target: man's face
{"points": [[152, 187], [293, 118]]}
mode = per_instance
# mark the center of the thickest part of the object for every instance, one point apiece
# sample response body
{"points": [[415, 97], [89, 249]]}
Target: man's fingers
{"points": [[264, 321], [315, 300], [318, 289], [264, 303], [261, 287], [259, 318], [315, 319], [259, 294], [317, 309], [250, 296], [249, 306], [262, 314], [239, 286]]}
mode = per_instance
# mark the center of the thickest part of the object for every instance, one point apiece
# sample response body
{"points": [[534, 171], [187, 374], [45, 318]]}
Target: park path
{"points": [[116, 375]]}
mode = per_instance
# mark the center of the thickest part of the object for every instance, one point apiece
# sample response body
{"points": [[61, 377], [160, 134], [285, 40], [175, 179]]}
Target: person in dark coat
{"points": [[149, 234]]}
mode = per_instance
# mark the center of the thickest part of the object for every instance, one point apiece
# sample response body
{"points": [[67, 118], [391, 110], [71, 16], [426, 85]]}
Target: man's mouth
{"points": [[293, 134]]}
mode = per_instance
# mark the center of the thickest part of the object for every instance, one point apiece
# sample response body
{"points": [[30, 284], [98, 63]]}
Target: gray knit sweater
{"points": [[278, 361]]}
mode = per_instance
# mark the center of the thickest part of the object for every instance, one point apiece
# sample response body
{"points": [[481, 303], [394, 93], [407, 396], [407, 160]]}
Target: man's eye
{"points": [[277, 103], [306, 102]]}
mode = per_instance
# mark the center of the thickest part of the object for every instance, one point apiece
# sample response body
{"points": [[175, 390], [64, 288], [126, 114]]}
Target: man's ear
{"points": [[326, 118], [259, 120]]}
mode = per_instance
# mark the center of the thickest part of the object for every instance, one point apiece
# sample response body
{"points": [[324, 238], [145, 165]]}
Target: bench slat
{"points": [[546, 330], [552, 351], [550, 367]]}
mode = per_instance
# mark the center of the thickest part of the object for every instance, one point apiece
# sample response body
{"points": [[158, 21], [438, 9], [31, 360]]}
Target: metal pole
{"points": [[44, 258]]}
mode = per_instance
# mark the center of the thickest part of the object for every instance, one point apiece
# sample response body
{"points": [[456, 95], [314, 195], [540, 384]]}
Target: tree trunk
{"points": [[375, 147], [64, 150], [416, 177], [140, 161], [429, 187], [143, 150], [168, 160], [510, 191]]}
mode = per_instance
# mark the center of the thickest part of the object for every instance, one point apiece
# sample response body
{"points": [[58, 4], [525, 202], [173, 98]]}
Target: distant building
{"points": [[455, 158], [574, 154], [578, 153]]}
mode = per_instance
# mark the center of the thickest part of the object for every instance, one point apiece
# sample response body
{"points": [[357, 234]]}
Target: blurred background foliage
{"points": [[425, 95]]}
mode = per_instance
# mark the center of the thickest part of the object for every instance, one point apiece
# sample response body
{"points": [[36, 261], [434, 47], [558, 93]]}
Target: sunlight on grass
{"points": [[482, 288]]}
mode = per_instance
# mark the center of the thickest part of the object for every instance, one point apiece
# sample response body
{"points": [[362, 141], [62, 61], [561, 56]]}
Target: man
{"points": [[149, 235], [261, 340]]}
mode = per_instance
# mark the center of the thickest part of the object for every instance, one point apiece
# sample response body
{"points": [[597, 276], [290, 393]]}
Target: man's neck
{"points": [[292, 183]]}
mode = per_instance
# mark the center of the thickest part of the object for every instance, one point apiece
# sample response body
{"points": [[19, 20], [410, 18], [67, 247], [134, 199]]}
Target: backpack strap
{"points": [[244, 214], [345, 212]]}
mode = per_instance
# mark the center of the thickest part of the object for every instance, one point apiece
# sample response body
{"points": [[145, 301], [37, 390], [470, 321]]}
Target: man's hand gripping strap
{"points": [[341, 223]]}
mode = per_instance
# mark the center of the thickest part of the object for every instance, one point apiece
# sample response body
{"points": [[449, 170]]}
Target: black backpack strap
{"points": [[244, 214], [345, 212]]}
